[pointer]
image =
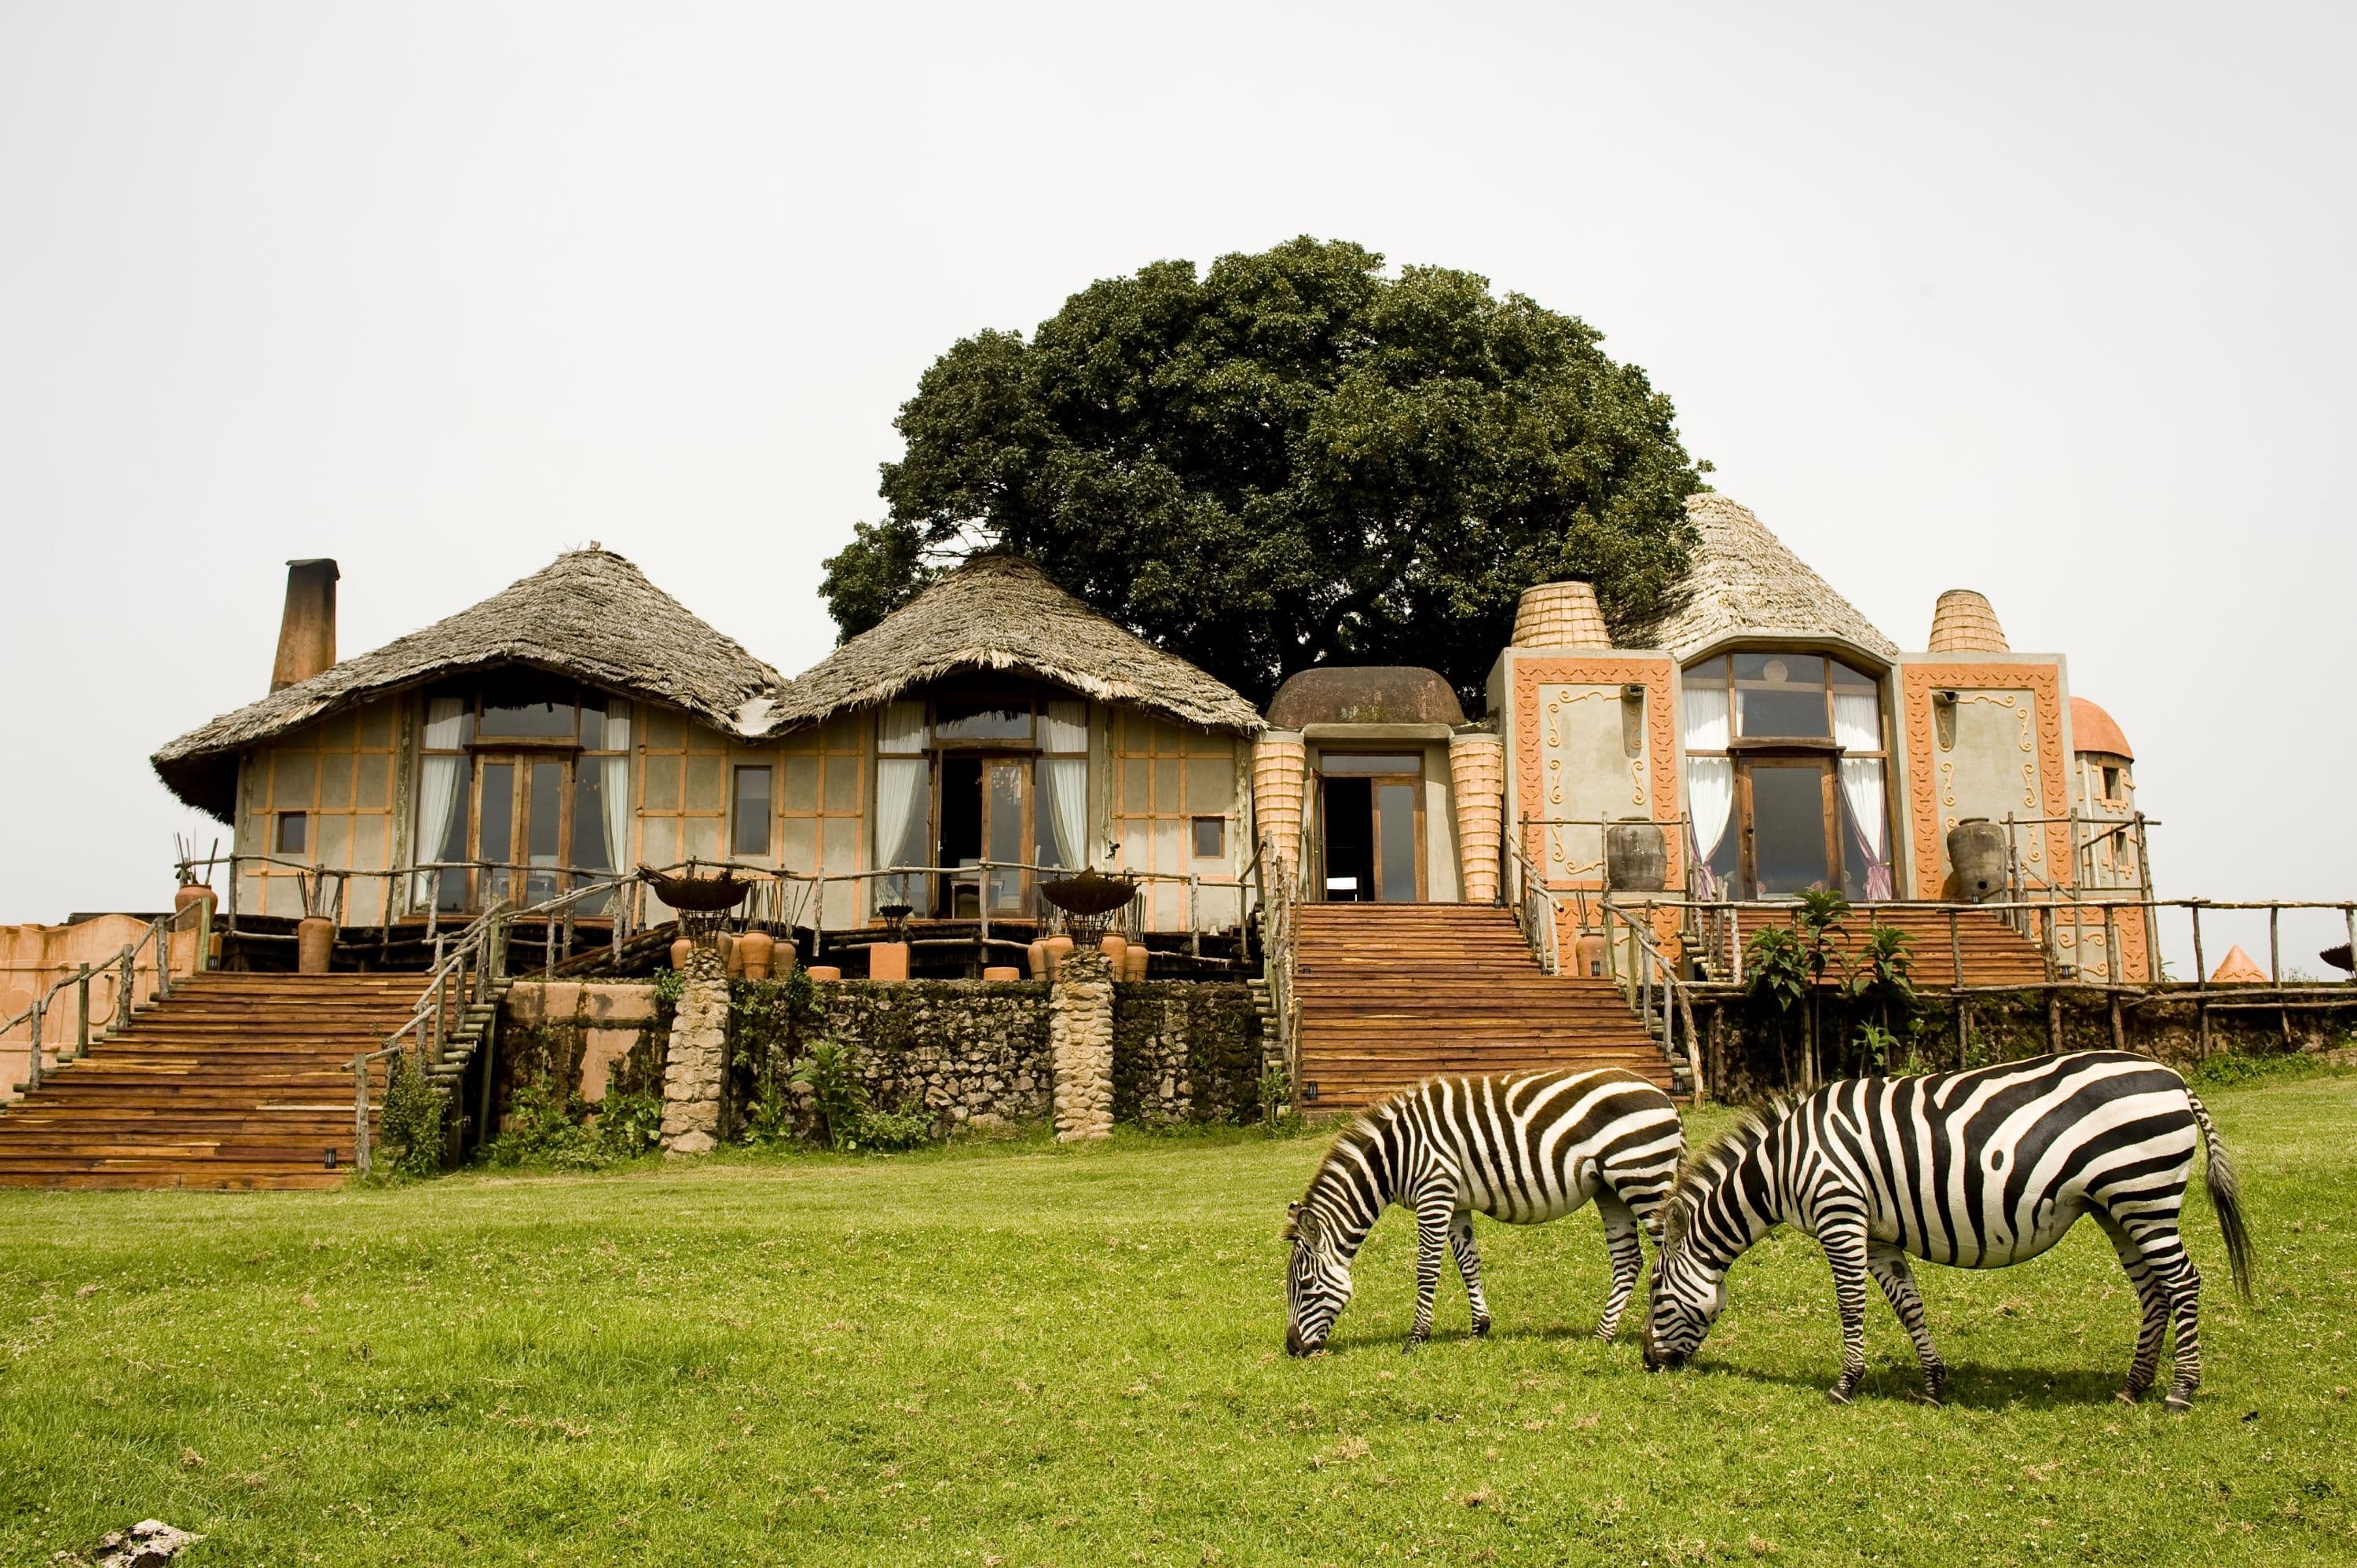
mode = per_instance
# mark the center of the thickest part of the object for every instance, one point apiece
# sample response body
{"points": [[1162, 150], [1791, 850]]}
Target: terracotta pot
{"points": [[1134, 967], [314, 944], [732, 958], [825, 972], [1036, 957], [679, 951], [1001, 972], [194, 893], [1588, 956], [1058, 946], [888, 960], [1116, 954], [755, 952]]}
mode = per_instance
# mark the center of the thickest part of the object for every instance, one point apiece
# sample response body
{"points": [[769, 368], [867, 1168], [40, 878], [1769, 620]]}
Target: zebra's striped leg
{"points": [[1469, 1269], [2185, 1318], [1845, 1245], [1628, 1261], [1433, 1213], [1889, 1269], [2152, 1296]]}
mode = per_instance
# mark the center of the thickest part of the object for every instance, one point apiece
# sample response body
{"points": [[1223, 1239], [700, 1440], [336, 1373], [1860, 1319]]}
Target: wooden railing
{"points": [[464, 972], [157, 934], [1280, 912]]}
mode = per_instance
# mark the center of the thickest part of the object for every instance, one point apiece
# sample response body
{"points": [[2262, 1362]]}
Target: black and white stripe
{"points": [[1524, 1147], [1978, 1169]]}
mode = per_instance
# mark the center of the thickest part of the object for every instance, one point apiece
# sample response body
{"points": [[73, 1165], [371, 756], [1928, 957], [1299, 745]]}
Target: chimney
{"points": [[307, 628], [1560, 615]]}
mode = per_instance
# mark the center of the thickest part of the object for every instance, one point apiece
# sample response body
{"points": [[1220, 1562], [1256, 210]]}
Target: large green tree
{"points": [[1291, 460]]}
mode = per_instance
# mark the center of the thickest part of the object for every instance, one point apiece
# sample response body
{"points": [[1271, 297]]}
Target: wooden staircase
{"points": [[1394, 993], [235, 1080]]}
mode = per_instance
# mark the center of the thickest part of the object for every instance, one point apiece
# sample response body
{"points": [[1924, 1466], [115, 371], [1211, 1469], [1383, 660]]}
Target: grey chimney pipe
{"points": [[307, 628]]}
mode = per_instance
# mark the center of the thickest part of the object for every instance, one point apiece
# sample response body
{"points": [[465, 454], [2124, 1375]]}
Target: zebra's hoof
{"points": [[1410, 1347], [1480, 1328], [2128, 1396], [1841, 1392], [2179, 1401]]}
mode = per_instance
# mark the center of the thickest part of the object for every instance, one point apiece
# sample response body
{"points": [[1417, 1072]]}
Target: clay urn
{"points": [[1588, 955], [1134, 967], [1035, 957], [755, 950], [192, 894], [888, 960], [825, 972], [679, 951], [731, 958], [1116, 953], [314, 944], [1002, 973], [1058, 946]]}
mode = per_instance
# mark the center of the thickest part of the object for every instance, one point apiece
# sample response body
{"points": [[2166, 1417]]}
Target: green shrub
{"points": [[2229, 1069], [409, 1127], [544, 1128], [831, 1072], [889, 1131], [630, 1124]]}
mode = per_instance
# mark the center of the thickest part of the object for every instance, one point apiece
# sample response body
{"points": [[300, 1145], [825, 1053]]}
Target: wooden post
{"points": [[33, 1068], [122, 984], [1718, 1042], [2201, 984], [359, 1113], [2274, 968], [1735, 938], [1195, 915], [2111, 975], [81, 1012], [1955, 951], [2054, 1018]]}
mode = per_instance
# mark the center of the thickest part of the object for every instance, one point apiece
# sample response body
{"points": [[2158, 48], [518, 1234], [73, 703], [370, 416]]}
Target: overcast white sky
{"points": [[2053, 301]]}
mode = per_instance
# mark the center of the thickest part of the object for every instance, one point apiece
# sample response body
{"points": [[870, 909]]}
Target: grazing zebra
{"points": [[1524, 1147], [1975, 1169]]}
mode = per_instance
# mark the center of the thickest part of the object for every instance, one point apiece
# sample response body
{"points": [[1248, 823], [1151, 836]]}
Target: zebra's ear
{"points": [[1292, 1221]]}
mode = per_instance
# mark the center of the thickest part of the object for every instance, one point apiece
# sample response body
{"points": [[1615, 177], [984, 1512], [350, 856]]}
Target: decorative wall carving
{"points": [[1534, 739], [2046, 778]]}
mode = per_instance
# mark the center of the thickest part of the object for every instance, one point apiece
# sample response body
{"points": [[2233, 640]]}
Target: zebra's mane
{"points": [[1715, 1158], [1358, 1134]]}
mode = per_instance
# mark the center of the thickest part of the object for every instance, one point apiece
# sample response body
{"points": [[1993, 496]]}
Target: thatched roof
{"points": [[589, 615], [1002, 613], [1745, 582]]}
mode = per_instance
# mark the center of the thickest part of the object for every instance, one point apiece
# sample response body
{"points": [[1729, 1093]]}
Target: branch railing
{"points": [[1279, 913], [156, 934], [1650, 980], [464, 971]]}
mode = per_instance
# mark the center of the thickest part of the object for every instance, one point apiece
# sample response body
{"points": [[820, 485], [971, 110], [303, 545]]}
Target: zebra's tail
{"points": [[2225, 1197]]}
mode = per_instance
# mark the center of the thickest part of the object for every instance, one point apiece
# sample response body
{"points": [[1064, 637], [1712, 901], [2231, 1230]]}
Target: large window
{"points": [[1748, 717]]}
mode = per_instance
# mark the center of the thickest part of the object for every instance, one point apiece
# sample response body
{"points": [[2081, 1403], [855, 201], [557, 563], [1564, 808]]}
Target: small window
{"points": [[294, 835], [1211, 838], [748, 812], [2113, 778]]}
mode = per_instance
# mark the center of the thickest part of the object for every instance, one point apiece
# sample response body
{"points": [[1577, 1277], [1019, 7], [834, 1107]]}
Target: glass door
{"points": [[985, 814], [1788, 843], [1006, 827], [1370, 835], [519, 827]]}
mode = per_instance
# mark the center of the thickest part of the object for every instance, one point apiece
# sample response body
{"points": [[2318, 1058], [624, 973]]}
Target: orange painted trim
{"points": [[1658, 676], [2044, 683]]}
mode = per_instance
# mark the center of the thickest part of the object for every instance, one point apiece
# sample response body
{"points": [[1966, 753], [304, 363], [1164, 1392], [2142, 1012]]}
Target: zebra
{"points": [[1978, 1169], [1523, 1147]]}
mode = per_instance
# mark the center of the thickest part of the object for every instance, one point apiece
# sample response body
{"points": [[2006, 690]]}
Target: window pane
{"points": [[498, 810], [1710, 671], [1064, 724], [901, 729], [1390, 762], [589, 849], [1005, 717], [593, 721], [1846, 678], [1395, 825], [749, 812], [294, 833], [1781, 669], [1211, 837]]}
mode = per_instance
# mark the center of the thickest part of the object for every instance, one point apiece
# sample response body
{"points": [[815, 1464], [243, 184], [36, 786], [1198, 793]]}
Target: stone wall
{"points": [[1184, 1052], [965, 1051]]}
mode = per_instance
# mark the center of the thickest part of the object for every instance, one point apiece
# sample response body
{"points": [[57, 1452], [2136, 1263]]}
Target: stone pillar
{"points": [[1477, 770], [698, 1060], [1080, 1046], [1280, 773]]}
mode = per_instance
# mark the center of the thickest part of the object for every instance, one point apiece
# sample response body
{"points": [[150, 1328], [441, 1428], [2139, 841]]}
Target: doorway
{"points": [[1787, 807], [985, 814], [519, 810], [1370, 816]]}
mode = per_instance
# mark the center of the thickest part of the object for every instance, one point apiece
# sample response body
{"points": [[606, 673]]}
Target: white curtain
{"points": [[1064, 727], [1711, 802], [614, 787], [1857, 721], [1861, 780], [901, 789], [902, 730], [1064, 781], [1705, 717], [438, 788]]}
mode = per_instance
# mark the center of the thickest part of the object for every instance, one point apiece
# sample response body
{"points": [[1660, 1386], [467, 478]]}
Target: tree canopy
{"points": [[1290, 460]]}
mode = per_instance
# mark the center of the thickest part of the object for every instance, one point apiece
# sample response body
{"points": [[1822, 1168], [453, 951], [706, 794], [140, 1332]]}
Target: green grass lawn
{"points": [[1018, 1354]]}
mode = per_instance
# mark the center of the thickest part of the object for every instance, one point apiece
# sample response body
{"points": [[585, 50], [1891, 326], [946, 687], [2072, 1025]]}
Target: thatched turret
{"points": [[1965, 622], [1002, 613]]}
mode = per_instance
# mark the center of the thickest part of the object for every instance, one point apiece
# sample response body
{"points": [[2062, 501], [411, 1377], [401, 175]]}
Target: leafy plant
{"points": [[889, 1131], [1876, 1046], [771, 1118], [838, 1098], [544, 1128], [630, 1124], [1276, 1113], [409, 1127], [1776, 975]]}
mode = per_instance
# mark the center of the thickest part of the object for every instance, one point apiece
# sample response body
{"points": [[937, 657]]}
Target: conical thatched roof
{"points": [[1743, 583], [590, 615], [1000, 612]]}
